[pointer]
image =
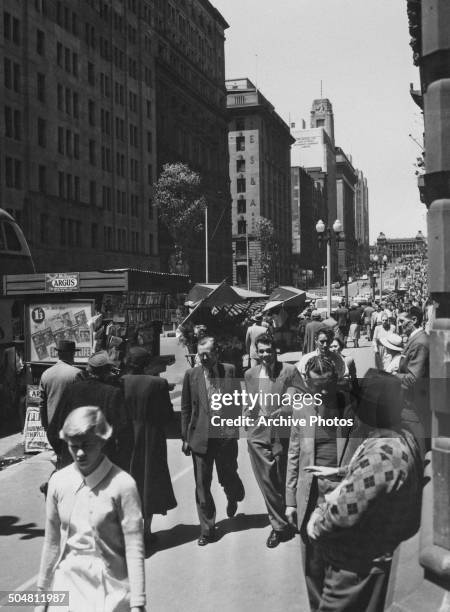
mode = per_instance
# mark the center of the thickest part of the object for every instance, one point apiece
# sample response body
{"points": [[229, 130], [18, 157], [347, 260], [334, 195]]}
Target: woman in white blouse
{"points": [[93, 545]]}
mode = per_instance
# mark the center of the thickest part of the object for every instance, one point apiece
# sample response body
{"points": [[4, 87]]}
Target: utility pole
{"points": [[206, 247]]}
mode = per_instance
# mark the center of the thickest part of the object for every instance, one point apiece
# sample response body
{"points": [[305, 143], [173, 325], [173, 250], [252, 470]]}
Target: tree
{"points": [[178, 196], [268, 255]]}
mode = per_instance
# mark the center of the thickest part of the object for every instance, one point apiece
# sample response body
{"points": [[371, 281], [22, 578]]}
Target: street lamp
{"points": [[378, 263], [325, 234]]}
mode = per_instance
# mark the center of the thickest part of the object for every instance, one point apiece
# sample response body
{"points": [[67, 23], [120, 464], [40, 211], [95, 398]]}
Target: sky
{"points": [[360, 51]]}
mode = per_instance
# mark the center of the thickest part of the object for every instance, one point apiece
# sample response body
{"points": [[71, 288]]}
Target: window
{"points": [[42, 132], [59, 96], [240, 165], [42, 179], [61, 140], [241, 248], [76, 146], [91, 112], [92, 152], [242, 207], [76, 188], [240, 124], [7, 73], [149, 142], [149, 109], [242, 226], [240, 143], [40, 42], [91, 73], [75, 64], [6, 25], [92, 193], [9, 172], [69, 143], [75, 106], [41, 87], [8, 121], [67, 59], [61, 185], [59, 51], [69, 184], [241, 185], [150, 174]]}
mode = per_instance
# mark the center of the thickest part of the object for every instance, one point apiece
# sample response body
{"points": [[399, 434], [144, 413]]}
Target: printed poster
{"points": [[34, 434], [50, 323]]}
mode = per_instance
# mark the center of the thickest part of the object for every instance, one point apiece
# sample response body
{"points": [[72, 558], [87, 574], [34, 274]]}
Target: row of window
{"points": [[11, 28], [67, 58]]}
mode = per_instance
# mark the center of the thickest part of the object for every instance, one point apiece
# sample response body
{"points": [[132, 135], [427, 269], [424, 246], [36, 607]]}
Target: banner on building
{"points": [[34, 434]]}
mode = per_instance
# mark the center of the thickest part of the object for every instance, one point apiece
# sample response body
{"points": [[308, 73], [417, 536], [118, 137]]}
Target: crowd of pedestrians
{"points": [[347, 477]]}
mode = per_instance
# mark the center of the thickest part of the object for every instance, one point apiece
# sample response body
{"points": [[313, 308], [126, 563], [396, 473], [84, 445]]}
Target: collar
{"points": [[414, 333], [94, 478]]}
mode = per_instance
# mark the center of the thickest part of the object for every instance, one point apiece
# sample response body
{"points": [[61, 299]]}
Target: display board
{"points": [[34, 434], [48, 323]]}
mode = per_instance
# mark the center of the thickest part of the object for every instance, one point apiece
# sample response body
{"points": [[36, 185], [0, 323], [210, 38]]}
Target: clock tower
{"points": [[322, 116]]}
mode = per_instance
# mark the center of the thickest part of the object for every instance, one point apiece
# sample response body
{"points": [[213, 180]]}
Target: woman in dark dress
{"points": [[149, 407]]}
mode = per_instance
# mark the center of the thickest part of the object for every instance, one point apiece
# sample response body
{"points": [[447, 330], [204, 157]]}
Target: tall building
{"points": [[346, 180], [314, 150], [80, 115], [308, 205], [362, 222], [259, 146], [192, 121]]}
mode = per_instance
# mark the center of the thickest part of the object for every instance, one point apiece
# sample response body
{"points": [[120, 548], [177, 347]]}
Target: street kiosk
{"points": [[109, 310]]}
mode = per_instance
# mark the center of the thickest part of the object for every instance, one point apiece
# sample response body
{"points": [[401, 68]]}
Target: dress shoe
{"points": [[276, 537], [231, 508], [207, 539]]}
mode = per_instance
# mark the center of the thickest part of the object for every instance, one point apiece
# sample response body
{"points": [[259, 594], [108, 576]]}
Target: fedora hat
{"points": [[99, 360], [66, 346], [392, 341]]}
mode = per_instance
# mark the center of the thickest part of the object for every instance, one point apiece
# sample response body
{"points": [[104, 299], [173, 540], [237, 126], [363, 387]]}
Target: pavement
{"points": [[238, 573]]}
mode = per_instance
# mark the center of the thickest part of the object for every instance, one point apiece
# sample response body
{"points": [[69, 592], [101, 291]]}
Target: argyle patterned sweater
{"points": [[377, 504]]}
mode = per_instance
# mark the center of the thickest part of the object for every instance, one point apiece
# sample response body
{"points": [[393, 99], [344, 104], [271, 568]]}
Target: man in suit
{"points": [[210, 443], [310, 331], [326, 449], [253, 332], [267, 445], [414, 373]]}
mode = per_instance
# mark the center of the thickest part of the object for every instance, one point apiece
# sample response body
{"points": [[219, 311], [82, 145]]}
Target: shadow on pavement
{"points": [[9, 525], [182, 534]]}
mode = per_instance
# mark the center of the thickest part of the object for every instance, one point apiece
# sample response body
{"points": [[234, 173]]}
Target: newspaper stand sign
{"points": [[34, 434], [62, 282]]}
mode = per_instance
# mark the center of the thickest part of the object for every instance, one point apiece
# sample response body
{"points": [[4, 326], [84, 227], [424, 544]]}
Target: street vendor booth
{"points": [[109, 310], [224, 312], [284, 305]]}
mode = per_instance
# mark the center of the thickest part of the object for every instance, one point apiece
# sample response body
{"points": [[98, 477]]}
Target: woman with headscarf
{"points": [[149, 407]]}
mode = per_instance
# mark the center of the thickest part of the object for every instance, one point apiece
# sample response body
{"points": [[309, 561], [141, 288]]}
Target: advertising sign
{"points": [[34, 434], [50, 323], [62, 282]]}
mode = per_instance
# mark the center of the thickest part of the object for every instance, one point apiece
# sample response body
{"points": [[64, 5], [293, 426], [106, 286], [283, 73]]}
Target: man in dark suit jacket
{"points": [[267, 444], [208, 442], [414, 373]]}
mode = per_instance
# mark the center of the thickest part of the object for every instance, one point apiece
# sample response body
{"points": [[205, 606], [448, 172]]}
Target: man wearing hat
{"points": [[55, 380], [95, 390], [255, 330], [310, 332]]}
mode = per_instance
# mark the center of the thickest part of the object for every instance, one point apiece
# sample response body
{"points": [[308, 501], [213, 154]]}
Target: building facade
{"points": [[192, 120], [308, 205], [259, 149], [346, 180], [314, 150], [362, 223], [80, 115], [396, 248]]}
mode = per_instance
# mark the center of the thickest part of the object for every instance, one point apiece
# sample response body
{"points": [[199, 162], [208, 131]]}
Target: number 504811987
{"points": [[34, 598]]}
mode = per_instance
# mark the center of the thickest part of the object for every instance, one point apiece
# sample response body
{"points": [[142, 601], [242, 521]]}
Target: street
{"points": [[239, 572]]}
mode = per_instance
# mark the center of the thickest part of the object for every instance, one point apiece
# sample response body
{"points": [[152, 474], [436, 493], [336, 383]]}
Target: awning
{"points": [[285, 296], [219, 295]]}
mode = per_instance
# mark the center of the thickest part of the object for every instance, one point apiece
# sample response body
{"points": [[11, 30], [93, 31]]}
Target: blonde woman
{"points": [[93, 545]]}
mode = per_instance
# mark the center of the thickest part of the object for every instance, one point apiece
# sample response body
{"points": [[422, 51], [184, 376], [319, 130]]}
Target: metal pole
{"points": [[248, 261], [206, 247], [381, 282], [329, 275]]}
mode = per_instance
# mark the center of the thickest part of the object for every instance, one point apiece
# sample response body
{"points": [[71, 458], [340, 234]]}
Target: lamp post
{"points": [[324, 272], [325, 234], [206, 247], [378, 262]]}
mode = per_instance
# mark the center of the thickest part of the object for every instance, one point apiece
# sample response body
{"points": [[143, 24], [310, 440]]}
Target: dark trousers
{"points": [[222, 452], [345, 591], [269, 462]]}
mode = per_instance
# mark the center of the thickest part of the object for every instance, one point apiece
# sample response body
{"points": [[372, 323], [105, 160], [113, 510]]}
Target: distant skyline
{"points": [[360, 51]]}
